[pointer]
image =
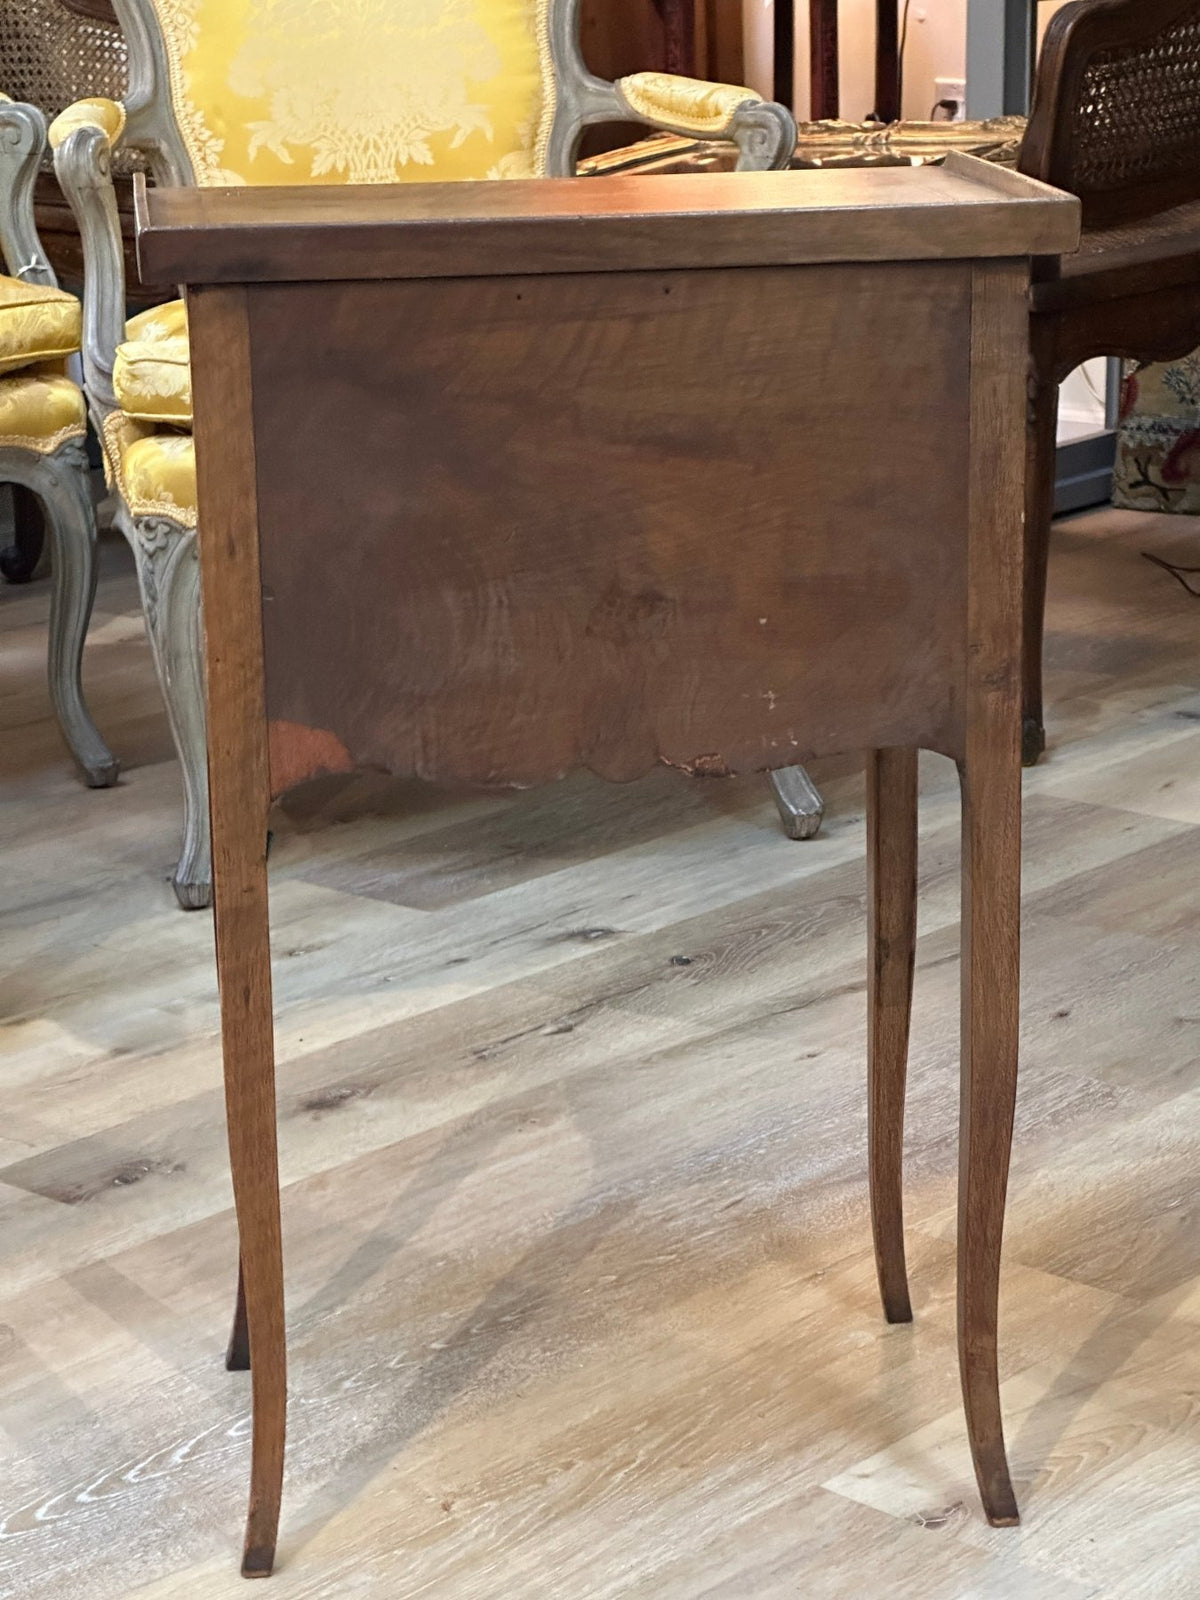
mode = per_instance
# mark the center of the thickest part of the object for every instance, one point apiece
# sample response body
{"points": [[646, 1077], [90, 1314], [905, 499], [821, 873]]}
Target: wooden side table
{"points": [[621, 491]]}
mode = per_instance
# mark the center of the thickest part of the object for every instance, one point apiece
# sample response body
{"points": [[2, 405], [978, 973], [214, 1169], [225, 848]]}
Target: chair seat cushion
{"points": [[154, 468], [40, 410], [36, 324], [152, 376]]}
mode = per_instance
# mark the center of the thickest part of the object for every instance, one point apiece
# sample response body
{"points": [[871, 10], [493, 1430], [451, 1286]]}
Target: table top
{"points": [[962, 209]]}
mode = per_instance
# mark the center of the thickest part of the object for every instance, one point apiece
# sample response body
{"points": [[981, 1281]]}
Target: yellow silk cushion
{"points": [[685, 102], [359, 91], [152, 375], [107, 115], [36, 324], [153, 470], [40, 410]]}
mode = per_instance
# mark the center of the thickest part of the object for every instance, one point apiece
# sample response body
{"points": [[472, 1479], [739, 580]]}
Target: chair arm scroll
{"points": [[765, 133], [22, 141], [83, 138]]}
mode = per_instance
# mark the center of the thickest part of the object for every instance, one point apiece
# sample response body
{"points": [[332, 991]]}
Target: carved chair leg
{"points": [[891, 934], [1041, 440], [66, 494], [61, 482], [169, 576], [991, 873], [800, 805], [19, 560]]}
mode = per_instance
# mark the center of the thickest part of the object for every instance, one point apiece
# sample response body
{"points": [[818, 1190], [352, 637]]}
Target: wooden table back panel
{"points": [[727, 533]]}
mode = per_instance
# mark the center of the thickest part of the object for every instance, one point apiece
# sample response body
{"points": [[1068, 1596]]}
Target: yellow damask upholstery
{"points": [[685, 103], [106, 115], [153, 470], [36, 324], [307, 91], [152, 376], [39, 410]]}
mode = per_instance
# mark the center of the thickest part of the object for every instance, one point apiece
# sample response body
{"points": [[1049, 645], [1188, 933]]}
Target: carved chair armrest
{"points": [[22, 141], [765, 133], [83, 138]]}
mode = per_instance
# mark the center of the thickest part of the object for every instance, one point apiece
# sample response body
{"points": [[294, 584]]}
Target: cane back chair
{"points": [[1116, 121], [295, 92], [43, 427]]}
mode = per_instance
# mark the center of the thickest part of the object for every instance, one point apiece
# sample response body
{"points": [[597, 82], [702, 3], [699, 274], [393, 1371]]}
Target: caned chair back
{"points": [[54, 52], [1116, 111]]}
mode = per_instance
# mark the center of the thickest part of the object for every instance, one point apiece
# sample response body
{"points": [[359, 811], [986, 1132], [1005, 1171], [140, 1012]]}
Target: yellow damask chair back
{"points": [[307, 92], [292, 91], [387, 91]]}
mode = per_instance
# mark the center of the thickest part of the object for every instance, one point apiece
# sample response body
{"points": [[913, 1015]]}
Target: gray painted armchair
{"points": [[256, 92], [43, 427]]}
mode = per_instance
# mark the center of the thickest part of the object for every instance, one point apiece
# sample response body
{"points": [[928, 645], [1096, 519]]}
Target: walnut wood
{"points": [[679, 36], [891, 951], [601, 629], [783, 52], [96, 10], [617, 518], [616, 224], [1040, 465], [991, 859], [720, 44], [237, 1351], [239, 800], [823, 74], [888, 66]]}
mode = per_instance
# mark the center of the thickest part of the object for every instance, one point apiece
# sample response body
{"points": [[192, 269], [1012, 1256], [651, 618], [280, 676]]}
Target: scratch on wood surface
{"points": [[711, 765]]}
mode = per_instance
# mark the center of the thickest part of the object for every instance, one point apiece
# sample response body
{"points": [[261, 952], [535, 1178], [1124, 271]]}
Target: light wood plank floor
{"points": [[572, 1116]]}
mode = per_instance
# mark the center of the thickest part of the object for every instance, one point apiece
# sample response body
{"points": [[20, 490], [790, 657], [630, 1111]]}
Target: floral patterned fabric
{"points": [[39, 410], [152, 375], [36, 324], [308, 91], [106, 115], [686, 102], [153, 471], [1158, 444]]}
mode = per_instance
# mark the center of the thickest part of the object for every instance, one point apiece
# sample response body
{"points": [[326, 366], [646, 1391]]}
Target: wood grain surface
{"points": [[239, 799], [963, 208], [573, 1138], [700, 546]]}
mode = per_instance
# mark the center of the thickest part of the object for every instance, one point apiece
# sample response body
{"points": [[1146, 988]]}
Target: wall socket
{"points": [[953, 90]]}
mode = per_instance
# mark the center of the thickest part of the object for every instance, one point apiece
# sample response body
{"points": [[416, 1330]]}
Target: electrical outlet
{"points": [[951, 91]]}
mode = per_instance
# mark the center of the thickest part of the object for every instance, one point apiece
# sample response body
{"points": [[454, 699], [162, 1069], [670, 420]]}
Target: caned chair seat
{"points": [[37, 324], [152, 378], [40, 410]]}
